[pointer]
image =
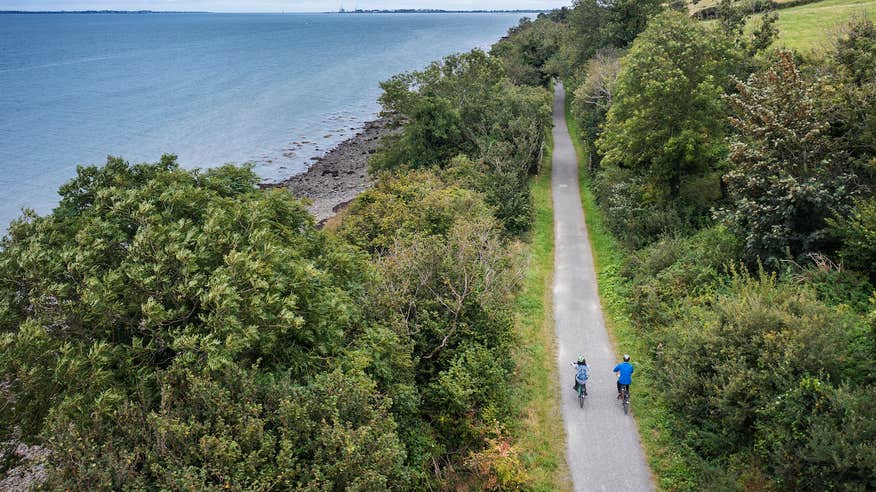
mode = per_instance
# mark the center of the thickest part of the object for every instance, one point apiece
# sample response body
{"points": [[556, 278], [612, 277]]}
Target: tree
{"points": [[789, 176], [528, 51], [183, 329], [596, 24], [666, 119]]}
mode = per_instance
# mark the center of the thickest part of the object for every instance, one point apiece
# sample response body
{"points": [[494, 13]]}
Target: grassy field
{"points": [[809, 27], [704, 4], [540, 437], [667, 457]]}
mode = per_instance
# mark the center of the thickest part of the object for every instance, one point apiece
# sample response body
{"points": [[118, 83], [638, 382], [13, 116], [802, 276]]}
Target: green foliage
{"points": [[471, 109], [816, 436], [666, 120], [858, 235], [856, 50], [461, 105], [449, 295], [670, 275], [788, 175], [408, 204], [759, 337], [183, 328], [594, 96], [634, 213], [528, 52], [597, 24]]}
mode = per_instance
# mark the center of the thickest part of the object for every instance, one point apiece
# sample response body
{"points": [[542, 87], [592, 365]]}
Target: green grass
{"points": [[704, 4], [810, 27], [669, 462], [540, 437]]}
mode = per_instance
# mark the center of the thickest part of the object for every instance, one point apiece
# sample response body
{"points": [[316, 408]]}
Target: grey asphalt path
{"points": [[603, 448]]}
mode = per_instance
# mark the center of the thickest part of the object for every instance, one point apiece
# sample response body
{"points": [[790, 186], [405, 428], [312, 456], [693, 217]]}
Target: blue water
{"points": [[271, 89]]}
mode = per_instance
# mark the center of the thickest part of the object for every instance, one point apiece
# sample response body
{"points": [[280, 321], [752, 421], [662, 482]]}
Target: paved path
{"points": [[603, 452]]}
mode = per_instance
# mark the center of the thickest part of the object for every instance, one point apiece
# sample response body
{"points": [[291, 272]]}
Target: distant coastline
{"points": [[101, 12], [358, 11], [439, 11]]}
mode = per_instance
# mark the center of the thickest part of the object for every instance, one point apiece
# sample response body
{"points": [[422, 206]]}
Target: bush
{"points": [[407, 204], [183, 328], [727, 361], [633, 214], [788, 175], [673, 274], [819, 437], [858, 235]]}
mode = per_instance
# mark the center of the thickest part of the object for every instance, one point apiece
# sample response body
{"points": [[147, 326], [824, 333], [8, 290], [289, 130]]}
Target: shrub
{"points": [[816, 436], [858, 235], [407, 204], [185, 329], [788, 175], [727, 361], [672, 274]]}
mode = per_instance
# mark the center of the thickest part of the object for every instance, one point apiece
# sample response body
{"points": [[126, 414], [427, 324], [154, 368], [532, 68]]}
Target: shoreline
{"points": [[338, 177]]}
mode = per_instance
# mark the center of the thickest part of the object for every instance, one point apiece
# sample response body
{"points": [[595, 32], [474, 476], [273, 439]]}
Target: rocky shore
{"points": [[335, 179]]}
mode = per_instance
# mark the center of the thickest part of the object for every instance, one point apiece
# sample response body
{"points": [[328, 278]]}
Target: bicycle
{"points": [[582, 391], [625, 394]]}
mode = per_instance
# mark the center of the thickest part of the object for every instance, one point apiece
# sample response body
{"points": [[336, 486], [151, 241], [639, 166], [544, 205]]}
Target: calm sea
{"points": [[275, 90]]}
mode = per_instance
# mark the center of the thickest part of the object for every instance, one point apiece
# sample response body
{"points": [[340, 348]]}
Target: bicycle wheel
{"points": [[580, 398], [626, 403]]}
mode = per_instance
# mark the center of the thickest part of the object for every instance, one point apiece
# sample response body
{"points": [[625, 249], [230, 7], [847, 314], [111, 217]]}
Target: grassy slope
{"points": [[667, 457], [809, 27], [540, 436]]}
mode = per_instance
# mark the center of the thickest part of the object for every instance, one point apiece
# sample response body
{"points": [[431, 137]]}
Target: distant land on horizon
{"points": [[102, 12], [357, 11]]}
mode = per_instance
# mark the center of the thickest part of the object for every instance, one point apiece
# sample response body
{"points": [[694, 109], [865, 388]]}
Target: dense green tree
{"points": [[528, 51], [597, 24], [728, 360], [666, 121], [465, 105], [183, 328], [789, 176]]}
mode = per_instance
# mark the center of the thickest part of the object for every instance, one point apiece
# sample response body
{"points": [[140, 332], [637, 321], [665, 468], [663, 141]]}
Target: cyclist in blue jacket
{"points": [[582, 374], [624, 372]]}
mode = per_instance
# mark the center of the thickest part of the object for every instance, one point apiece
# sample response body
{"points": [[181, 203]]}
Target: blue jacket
{"points": [[626, 372]]}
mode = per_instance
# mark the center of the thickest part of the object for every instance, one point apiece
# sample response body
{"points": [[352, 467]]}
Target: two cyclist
{"points": [[624, 372]]}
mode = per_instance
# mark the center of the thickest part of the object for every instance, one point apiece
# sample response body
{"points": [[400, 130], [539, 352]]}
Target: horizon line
{"points": [[359, 11]]}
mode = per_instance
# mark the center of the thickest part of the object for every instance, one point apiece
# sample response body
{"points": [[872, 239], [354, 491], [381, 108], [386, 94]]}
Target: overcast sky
{"points": [[274, 5]]}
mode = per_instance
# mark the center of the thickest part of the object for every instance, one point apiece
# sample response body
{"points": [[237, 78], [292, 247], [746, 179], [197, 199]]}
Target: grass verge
{"points": [[667, 457], [540, 436]]}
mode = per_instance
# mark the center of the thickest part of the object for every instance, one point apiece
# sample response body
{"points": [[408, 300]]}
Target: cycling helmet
{"points": [[580, 359], [626, 357]]}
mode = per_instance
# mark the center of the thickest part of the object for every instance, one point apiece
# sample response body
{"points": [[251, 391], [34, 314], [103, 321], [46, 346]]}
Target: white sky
{"points": [[274, 5]]}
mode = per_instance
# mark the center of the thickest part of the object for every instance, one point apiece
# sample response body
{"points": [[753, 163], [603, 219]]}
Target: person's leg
{"points": [[618, 390]]}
